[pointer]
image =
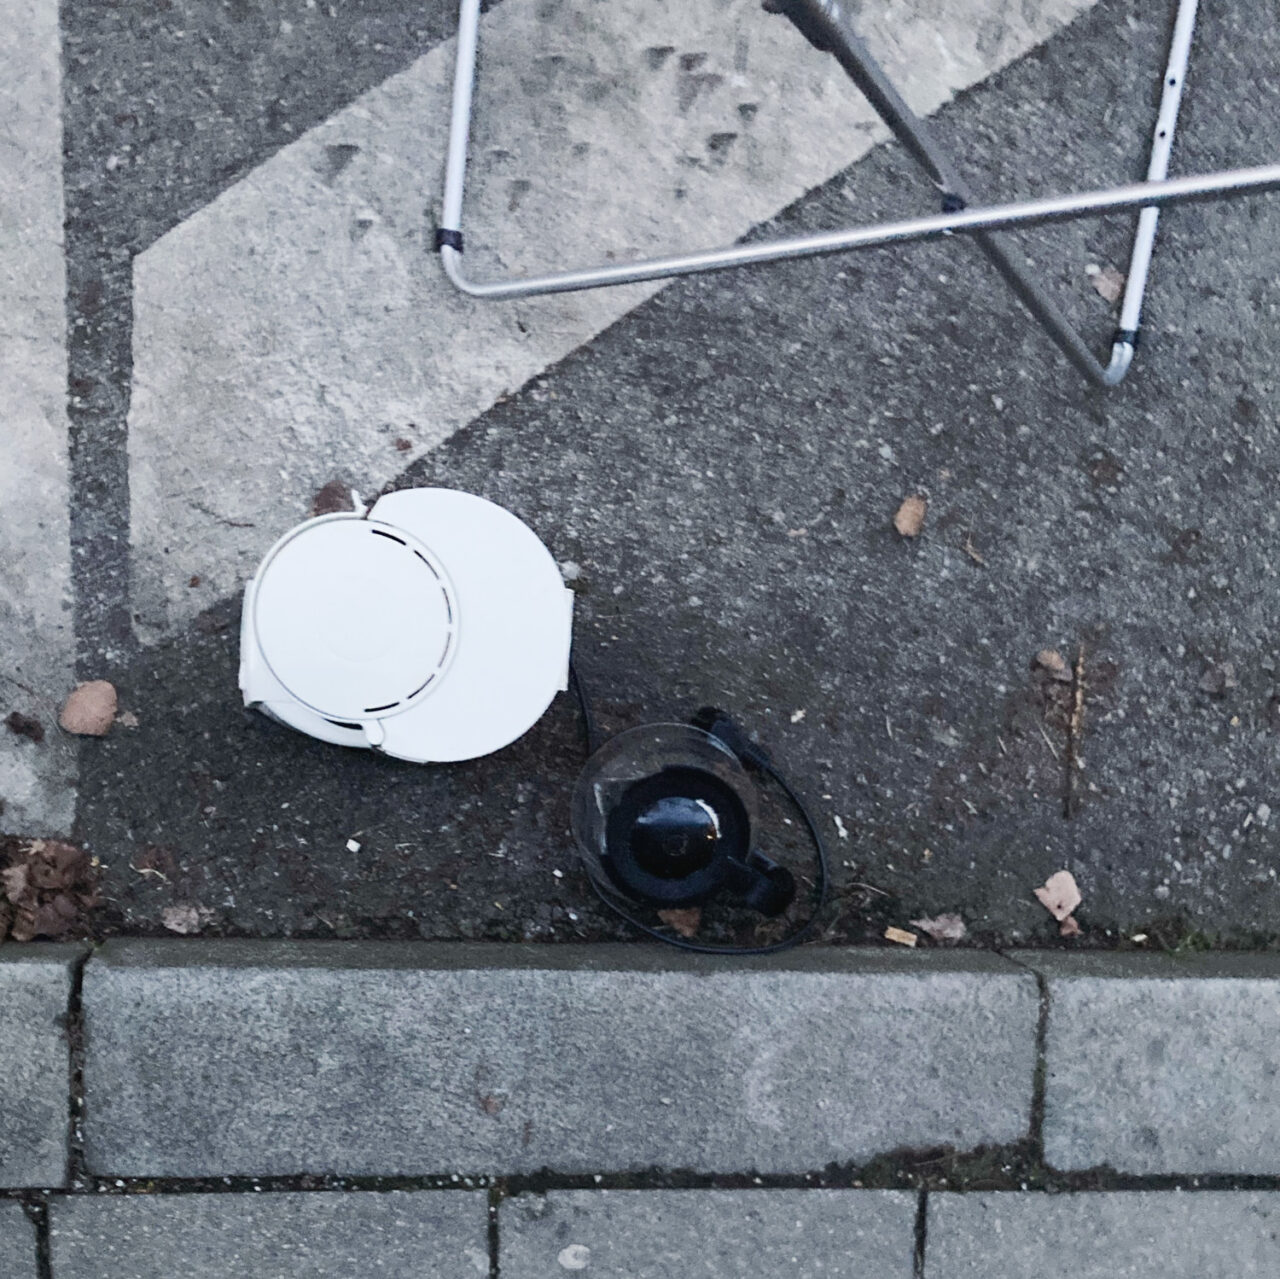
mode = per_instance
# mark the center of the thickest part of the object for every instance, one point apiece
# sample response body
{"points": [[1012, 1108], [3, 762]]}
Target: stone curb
{"points": [[1162, 1065], [224, 1058], [35, 1063], [219, 1058]]}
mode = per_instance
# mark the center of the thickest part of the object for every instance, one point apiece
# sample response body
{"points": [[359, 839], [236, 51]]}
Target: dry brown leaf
{"points": [[1053, 664], [901, 936], [15, 880], [942, 927], [49, 889], [1060, 894], [185, 919], [1108, 282], [1069, 927], [90, 710], [909, 520], [686, 921]]}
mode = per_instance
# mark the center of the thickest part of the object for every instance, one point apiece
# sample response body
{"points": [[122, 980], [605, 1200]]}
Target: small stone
{"points": [[353, 845], [570, 570], [1263, 815], [90, 710]]}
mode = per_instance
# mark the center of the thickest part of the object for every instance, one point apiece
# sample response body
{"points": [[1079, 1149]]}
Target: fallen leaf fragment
{"points": [[185, 919], [90, 710], [15, 880], [909, 520], [48, 889], [685, 920], [942, 927], [1060, 894], [1108, 282], [901, 936], [1053, 664], [1069, 927]]}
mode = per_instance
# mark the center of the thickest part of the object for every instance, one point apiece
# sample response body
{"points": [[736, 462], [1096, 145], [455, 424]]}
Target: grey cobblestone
{"points": [[1163, 1065], [17, 1243], [35, 986], [206, 1059], [271, 1236], [710, 1234], [1121, 1235]]}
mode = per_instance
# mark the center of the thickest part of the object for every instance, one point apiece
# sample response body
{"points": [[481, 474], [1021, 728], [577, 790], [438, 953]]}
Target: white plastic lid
{"points": [[355, 618], [435, 629]]}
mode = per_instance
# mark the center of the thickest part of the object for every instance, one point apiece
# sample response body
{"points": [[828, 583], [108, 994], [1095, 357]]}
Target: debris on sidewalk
{"points": [[577, 1256], [186, 919], [909, 521], [1053, 664], [47, 889], [942, 928], [90, 710], [25, 726], [1060, 896], [1106, 280], [901, 936], [685, 920]]}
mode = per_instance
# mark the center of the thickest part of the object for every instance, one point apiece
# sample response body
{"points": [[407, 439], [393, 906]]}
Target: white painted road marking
{"points": [[36, 636], [298, 327]]}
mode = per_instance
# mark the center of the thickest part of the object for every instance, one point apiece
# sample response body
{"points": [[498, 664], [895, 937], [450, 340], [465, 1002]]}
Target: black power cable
{"points": [[752, 755]]}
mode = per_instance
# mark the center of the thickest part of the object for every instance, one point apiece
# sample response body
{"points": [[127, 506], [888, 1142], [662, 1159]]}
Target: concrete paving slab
{"points": [[35, 987], [330, 1235], [37, 777], [298, 329], [1117, 1235], [1161, 1064], [17, 1243], [710, 1234], [217, 1058]]}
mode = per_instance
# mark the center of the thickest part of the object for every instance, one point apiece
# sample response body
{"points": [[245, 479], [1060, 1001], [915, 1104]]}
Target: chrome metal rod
{"points": [[823, 22], [1001, 217]]}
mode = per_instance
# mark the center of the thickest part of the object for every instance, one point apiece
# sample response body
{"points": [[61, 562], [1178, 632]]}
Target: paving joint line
{"points": [[922, 1234], [495, 1254], [75, 1074], [900, 1175], [37, 1210]]}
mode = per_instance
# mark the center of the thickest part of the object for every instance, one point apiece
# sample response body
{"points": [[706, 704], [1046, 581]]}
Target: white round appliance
{"points": [[434, 627]]}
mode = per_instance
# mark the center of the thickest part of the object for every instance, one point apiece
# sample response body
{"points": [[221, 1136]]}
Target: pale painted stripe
{"points": [[298, 326], [36, 645]]}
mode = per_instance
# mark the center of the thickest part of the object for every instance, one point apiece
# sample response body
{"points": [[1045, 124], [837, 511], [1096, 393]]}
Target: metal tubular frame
{"points": [[825, 25]]}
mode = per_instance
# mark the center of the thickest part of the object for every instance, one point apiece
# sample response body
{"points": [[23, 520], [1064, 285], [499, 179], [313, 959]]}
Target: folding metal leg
{"points": [[825, 24]]}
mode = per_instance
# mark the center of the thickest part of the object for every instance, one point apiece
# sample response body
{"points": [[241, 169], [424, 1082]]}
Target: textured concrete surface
{"points": [[709, 1234], [35, 1067], [1119, 1235], [271, 1236], [37, 782], [208, 1059], [1163, 1065], [17, 1243], [723, 464], [300, 322]]}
